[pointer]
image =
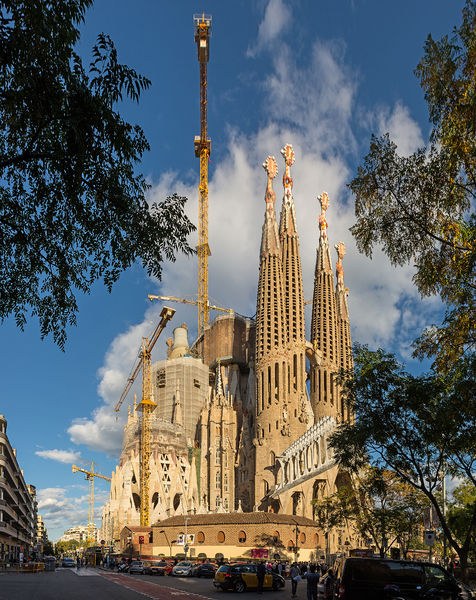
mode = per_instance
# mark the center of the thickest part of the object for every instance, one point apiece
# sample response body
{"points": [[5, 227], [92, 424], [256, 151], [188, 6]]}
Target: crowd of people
{"points": [[311, 573]]}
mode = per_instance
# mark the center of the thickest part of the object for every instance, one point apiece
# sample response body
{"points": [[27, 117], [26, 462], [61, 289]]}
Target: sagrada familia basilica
{"points": [[243, 415]]}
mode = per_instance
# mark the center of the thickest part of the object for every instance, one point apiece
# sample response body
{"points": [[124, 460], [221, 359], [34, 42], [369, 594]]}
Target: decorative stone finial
{"points": [[324, 200], [271, 169], [339, 268], [288, 154]]}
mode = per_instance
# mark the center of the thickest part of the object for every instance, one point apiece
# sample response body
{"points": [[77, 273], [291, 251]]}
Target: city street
{"points": [[95, 583]]}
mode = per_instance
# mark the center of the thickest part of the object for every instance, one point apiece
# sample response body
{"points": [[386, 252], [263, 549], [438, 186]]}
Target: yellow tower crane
{"points": [[202, 26], [146, 405], [190, 301], [90, 475]]}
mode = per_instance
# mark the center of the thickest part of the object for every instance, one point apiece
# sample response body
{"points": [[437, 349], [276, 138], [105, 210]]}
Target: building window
{"points": [[161, 378], [316, 540], [196, 383], [265, 487], [218, 455], [225, 483], [302, 538], [272, 458], [200, 537], [218, 479], [242, 537], [290, 546], [220, 537]]}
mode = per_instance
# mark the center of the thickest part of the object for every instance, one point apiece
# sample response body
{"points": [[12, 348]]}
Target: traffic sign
{"points": [[429, 538]]}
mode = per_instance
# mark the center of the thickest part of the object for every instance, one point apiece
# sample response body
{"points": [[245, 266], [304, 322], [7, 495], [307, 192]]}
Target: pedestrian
{"points": [[312, 581], [78, 562], [328, 581], [280, 568], [295, 575], [260, 572]]}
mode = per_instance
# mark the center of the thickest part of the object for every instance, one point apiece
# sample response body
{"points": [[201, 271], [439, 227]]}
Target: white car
{"points": [[182, 569]]}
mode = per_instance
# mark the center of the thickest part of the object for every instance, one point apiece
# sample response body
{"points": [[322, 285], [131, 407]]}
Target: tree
{"points": [[63, 547], [72, 208], [419, 428], [418, 207], [460, 513], [378, 506], [48, 549]]}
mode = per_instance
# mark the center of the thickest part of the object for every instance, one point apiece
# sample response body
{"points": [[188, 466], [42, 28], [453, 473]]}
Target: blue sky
{"points": [[319, 74]]}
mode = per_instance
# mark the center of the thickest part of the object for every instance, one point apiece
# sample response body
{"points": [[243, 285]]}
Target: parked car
{"points": [[241, 577], [158, 568], [137, 566], [182, 569], [203, 570], [68, 562], [367, 578]]}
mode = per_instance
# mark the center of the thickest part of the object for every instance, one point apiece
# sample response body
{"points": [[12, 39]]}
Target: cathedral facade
{"points": [[244, 414]]}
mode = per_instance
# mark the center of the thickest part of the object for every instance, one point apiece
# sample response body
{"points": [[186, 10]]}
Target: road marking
{"points": [[150, 590]]}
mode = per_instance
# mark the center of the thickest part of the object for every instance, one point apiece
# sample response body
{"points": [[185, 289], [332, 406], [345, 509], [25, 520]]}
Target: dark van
{"points": [[366, 579]]}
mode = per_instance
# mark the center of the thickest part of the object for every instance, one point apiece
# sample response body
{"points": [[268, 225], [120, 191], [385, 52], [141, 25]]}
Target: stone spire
{"points": [[269, 309], [293, 391], [292, 273], [324, 332], [343, 322], [177, 414], [270, 343]]}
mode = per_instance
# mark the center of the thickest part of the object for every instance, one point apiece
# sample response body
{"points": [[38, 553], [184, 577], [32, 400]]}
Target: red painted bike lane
{"points": [[151, 590]]}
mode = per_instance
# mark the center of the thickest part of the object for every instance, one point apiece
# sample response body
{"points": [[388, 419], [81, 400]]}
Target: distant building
{"points": [[243, 415], [79, 533], [41, 533], [17, 506]]}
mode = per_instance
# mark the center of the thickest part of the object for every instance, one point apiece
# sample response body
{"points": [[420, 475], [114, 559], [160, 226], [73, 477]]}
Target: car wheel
{"points": [[240, 587]]}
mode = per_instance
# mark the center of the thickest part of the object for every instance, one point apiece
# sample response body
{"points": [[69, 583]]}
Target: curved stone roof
{"points": [[237, 518]]}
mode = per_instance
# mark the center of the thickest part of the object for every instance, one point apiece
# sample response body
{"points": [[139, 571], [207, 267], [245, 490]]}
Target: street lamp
{"points": [[129, 540], [187, 519], [167, 539]]}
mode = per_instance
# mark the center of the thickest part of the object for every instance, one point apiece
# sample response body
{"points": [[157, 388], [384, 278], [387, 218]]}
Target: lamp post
{"points": [[129, 543], [296, 547], [187, 519], [168, 543]]}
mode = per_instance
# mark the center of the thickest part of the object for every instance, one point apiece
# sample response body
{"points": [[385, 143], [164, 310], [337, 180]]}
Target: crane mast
{"points": [[90, 475], [146, 405], [202, 27]]}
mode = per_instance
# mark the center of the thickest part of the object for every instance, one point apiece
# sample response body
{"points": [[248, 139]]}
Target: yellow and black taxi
{"points": [[240, 577]]}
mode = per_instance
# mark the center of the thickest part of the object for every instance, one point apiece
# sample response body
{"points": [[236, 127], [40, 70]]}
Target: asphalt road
{"points": [[91, 584]]}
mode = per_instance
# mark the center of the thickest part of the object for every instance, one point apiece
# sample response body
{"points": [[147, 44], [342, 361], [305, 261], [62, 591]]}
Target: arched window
{"points": [[276, 535], [302, 537], [265, 486], [290, 546], [272, 458], [220, 537], [316, 540], [225, 483], [218, 479], [242, 537], [200, 537]]}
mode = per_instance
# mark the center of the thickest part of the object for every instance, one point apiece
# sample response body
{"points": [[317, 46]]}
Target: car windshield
{"points": [[137, 563], [184, 564], [161, 564]]}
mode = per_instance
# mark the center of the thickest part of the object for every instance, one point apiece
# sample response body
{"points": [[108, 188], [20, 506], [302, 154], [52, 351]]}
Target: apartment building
{"points": [[17, 507]]}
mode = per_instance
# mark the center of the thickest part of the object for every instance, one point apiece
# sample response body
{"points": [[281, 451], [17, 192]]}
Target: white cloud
{"points": [[276, 18], [62, 456], [60, 511], [310, 106], [403, 130]]}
